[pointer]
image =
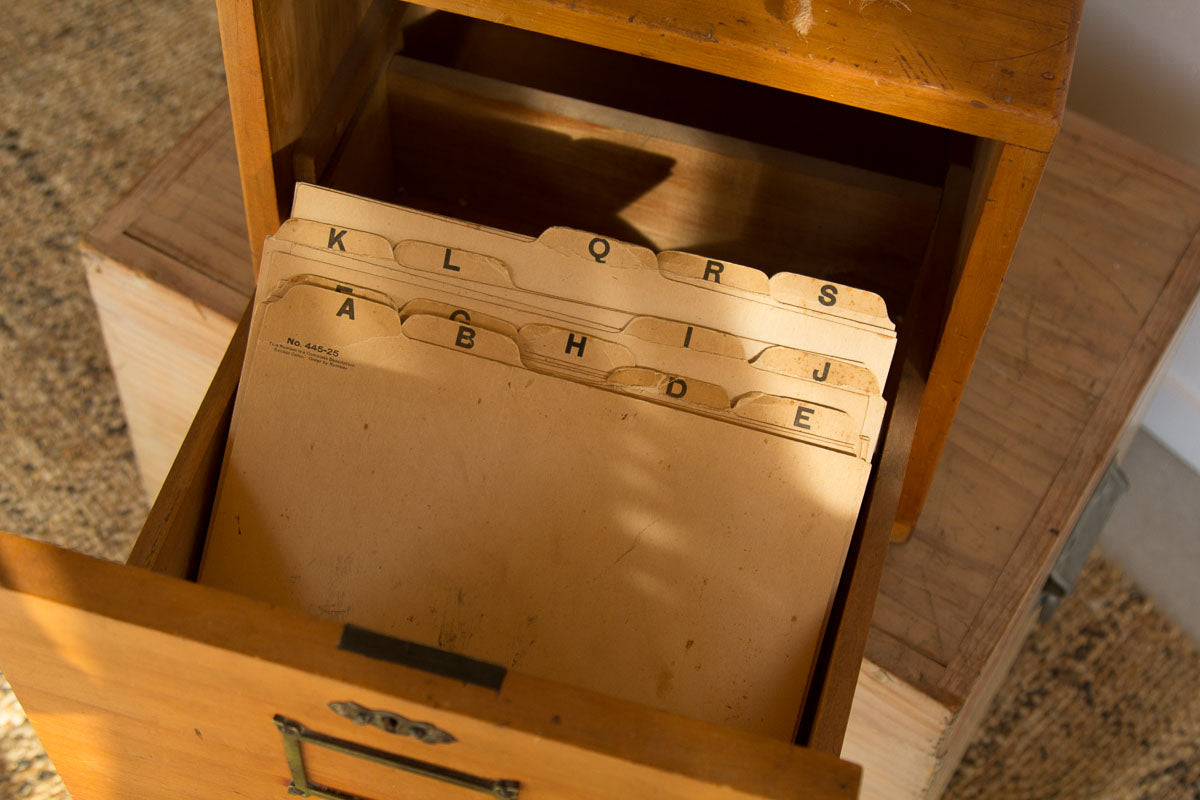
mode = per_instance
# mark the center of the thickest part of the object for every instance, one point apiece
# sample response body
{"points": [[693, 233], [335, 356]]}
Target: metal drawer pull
{"points": [[392, 722], [294, 733]]}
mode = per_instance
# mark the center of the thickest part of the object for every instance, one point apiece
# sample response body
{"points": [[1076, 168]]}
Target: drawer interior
{"points": [[522, 132]]}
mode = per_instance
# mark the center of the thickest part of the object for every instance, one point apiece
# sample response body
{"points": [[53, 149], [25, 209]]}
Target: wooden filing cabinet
{"points": [[183, 684]]}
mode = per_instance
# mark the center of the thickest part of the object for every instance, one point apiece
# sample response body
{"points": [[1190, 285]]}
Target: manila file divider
{"points": [[859, 325], [827, 415], [575, 533], [539, 261], [374, 256], [833, 415], [370, 251], [562, 263]]}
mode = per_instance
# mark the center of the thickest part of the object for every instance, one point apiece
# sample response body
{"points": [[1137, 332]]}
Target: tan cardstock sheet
{"points": [[455, 498]]}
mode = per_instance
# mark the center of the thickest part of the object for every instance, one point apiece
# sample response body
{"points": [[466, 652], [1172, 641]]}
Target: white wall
{"points": [[1174, 413], [1137, 69]]}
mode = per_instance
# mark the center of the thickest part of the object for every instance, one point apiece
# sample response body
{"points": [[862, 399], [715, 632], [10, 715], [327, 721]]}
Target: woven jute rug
{"points": [[1103, 702], [91, 94]]}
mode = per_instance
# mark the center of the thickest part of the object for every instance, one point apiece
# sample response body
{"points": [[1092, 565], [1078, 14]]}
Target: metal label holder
{"points": [[294, 734]]}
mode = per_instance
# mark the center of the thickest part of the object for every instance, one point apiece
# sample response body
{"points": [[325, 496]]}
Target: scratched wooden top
{"points": [[1107, 267], [993, 68]]}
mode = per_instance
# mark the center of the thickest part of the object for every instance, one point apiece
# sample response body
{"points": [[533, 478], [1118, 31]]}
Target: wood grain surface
{"points": [[167, 271], [273, 101], [1007, 179], [376, 39], [1101, 279], [172, 539], [162, 346], [524, 160], [184, 226], [992, 68], [180, 684]]}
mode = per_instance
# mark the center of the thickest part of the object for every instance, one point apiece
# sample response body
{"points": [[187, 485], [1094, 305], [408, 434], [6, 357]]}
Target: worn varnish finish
{"points": [[183, 225], [1009, 177], [894, 732], [164, 668], [167, 272], [376, 39], [868, 552], [1101, 279], [172, 538], [272, 101], [523, 160], [992, 68]]}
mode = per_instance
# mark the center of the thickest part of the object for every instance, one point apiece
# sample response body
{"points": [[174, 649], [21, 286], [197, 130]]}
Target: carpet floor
{"points": [[91, 95], [1104, 702]]}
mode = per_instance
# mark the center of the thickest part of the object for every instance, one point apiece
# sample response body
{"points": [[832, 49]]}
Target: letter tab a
{"points": [[340, 288]]}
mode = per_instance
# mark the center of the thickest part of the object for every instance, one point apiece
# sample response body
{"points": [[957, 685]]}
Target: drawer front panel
{"points": [[143, 685]]}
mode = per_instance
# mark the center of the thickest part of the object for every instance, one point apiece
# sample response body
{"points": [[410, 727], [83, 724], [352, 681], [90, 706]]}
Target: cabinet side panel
{"points": [[172, 538], [244, 76], [1006, 201], [279, 57]]}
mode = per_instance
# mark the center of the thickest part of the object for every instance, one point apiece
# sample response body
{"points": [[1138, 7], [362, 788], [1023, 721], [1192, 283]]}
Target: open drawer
{"points": [[150, 685], [519, 131], [142, 683]]}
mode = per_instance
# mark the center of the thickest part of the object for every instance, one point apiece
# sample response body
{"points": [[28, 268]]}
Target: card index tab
{"points": [[815, 367], [335, 238], [713, 273], [452, 262], [797, 416], [671, 333], [340, 287], [477, 319], [573, 349], [464, 338], [600, 250], [830, 298], [324, 324], [670, 388]]}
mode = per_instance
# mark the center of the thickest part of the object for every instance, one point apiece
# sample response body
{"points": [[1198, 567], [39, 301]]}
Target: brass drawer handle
{"points": [[392, 722], [294, 733]]}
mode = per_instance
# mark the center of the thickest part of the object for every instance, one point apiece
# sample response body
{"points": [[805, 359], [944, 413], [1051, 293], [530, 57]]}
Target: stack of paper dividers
{"points": [[632, 472]]}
